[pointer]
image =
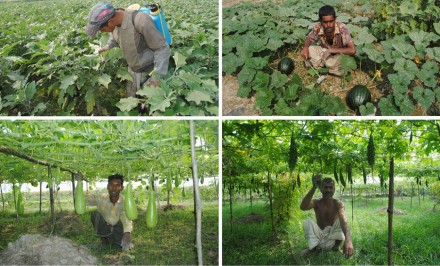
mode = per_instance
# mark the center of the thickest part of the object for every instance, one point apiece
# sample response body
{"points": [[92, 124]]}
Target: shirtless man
{"points": [[331, 226]]}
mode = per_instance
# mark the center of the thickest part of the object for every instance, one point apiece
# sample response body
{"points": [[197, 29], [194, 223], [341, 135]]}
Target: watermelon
{"points": [[357, 96], [286, 66]]}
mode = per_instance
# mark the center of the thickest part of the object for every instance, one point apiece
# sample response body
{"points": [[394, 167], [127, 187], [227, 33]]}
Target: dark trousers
{"points": [[113, 233]]}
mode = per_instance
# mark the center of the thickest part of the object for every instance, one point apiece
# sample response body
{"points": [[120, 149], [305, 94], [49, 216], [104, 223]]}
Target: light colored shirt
{"points": [[341, 37], [112, 214]]}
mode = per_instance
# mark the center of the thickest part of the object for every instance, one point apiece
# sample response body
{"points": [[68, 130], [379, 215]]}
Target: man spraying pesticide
{"points": [[145, 48]]}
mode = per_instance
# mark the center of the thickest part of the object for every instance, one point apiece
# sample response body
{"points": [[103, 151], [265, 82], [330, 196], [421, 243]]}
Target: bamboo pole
{"points": [[197, 194], [390, 212]]}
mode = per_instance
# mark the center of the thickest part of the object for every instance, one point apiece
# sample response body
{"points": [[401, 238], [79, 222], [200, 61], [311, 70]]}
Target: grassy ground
{"points": [[171, 242], [416, 236]]}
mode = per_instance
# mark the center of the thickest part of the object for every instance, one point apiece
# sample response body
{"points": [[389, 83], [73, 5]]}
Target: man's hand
{"points": [[305, 53], [316, 180], [126, 242], [348, 249], [326, 54]]}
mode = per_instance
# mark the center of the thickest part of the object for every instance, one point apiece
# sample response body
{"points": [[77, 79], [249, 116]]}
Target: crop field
{"points": [[174, 233], [417, 239], [397, 56], [48, 65]]}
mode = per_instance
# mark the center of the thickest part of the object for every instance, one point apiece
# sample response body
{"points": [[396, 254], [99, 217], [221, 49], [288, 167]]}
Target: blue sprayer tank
{"points": [[158, 17]]}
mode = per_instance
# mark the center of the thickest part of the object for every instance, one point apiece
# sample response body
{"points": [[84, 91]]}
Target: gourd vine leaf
{"points": [[373, 54], [428, 74], [348, 63], [261, 81], [257, 63], [399, 82], [264, 98], [387, 106], [424, 96], [231, 62], [278, 79], [367, 109], [406, 50], [246, 75], [404, 103], [406, 68]]}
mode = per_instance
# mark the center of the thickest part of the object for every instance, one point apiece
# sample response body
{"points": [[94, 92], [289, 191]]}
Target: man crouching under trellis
{"points": [[331, 226]]}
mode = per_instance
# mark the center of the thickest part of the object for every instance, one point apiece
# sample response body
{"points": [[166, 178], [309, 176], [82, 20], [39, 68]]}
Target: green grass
{"points": [[416, 236], [171, 242]]}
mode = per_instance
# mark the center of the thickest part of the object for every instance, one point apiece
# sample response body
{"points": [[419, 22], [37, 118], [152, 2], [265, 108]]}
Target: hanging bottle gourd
{"points": [[80, 201], [20, 203], [58, 176], [151, 210], [130, 204]]}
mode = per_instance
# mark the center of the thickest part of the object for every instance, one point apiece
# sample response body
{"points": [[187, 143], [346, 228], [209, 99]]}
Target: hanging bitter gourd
{"points": [[335, 172], [293, 154], [298, 180], [130, 204], [151, 217], [341, 177], [371, 151], [80, 200], [364, 174]]}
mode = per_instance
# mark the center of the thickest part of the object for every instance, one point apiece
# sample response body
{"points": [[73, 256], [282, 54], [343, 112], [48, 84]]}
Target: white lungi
{"points": [[325, 239]]}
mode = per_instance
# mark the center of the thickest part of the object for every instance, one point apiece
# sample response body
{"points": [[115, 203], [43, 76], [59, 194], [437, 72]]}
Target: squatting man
{"points": [[110, 221], [331, 226], [327, 40]]}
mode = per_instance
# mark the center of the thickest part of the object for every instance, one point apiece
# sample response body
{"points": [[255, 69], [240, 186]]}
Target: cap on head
{"points": [[99, 15]]}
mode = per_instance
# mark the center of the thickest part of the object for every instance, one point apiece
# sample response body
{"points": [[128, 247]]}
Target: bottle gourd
{"points": [[80, 200], [151, 210], [130, 204]]}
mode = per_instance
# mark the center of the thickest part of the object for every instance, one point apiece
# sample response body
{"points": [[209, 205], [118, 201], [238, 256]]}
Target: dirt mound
{"points": [[35, 249], [66, 223], [251, 218], [396, 211]]}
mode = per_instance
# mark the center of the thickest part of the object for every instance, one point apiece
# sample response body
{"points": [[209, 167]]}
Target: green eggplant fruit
{"points": [[80, 200], [130, 204], [151, 211]]}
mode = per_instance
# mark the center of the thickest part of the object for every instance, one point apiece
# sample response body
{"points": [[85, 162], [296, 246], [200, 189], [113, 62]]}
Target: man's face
{"points": [[109, 26], [327, 190], [328, 22], [114, 187]]}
